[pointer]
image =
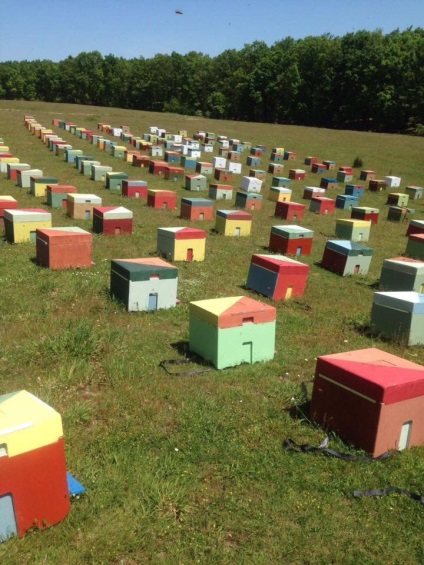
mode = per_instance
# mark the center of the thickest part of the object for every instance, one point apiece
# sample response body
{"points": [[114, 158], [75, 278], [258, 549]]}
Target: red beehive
{"points": [[174, 173], [157, 167], [134, 188], [112, 220], [291, 240], [141, 161], [165, 199], [63, 248], [289, 210], [415, 227], [7, 203], [322, 205], [373, 399], [223, 175], [297, 174]]}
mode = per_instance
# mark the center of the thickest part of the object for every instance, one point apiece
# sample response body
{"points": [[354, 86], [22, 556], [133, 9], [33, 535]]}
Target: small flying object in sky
{"points": [[179, 12]]}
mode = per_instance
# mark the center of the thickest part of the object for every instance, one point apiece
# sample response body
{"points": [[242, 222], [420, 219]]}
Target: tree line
{"points": [[363, 80]]}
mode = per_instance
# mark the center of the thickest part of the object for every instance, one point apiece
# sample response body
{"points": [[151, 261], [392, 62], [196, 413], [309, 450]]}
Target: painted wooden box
{"points": [[63, 248], [365, 213], [134, 188], [163, 199], [399, 315], [392, 182], [311, 191], [354, 230], [233, 222], [197, 209], [218, 191], [57, 194], [223, 175], [112, 220], [399, 214], [415, 246], [276, 168], [248, 200], [297, 174], [402, 273], [397, 199], [7, 203], [145, 284], [20, 224], [289, 211], [251, 184], [13, 168], [38, 186], [346, 201], [328, 182], [355, 190], [385, 390], [346, 257], [24, 176], [279, 194], [291, 240], [98, 172], [114, 181], [415, 227], [276, 276], [80, 206], [322, 205], [414, 192], [181, 243], [33, 487], [377, 185], [367, 175], [196, 183], [232, 330]]}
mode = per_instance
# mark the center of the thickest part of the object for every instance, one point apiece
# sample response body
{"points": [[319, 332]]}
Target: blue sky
{"points": [[55, 29]]}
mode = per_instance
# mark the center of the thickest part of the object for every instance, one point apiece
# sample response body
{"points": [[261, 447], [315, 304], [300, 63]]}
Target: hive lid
{"points": [[377, 375]]}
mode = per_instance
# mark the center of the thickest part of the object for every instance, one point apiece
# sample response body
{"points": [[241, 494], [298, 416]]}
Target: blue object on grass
{"points": [[74, 487]]}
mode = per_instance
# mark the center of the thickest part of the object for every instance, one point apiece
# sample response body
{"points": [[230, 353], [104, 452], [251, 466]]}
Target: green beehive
{"points": [[232, 330], [114, 181], [353, 230]]}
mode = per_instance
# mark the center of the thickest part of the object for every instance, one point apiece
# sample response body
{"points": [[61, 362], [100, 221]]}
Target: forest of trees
{"points": [[363, 80]]}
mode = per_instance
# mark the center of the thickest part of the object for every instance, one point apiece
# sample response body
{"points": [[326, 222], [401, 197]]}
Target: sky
{"points": [[57, 29]]}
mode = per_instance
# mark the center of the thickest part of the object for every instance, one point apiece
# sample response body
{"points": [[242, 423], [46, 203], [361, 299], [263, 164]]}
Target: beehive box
{"points": [[20, 224], [233, 222], [399, 315], [291, 240], [80, 206], [232, 330], [347, 258], [112, 220], [276, 276], [387, 391], [145, 284], [63, 248], [181, 243]]}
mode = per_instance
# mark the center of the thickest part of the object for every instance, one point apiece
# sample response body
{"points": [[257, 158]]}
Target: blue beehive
{"points": [[346, 201], [355, 190]]}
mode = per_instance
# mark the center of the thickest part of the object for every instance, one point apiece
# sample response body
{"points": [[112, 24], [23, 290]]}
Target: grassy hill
{"points": [[192, 469]]}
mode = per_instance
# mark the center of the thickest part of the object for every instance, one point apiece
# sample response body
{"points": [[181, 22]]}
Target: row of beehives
{"points": [[280, 191], [280, 185], [343, 225]]}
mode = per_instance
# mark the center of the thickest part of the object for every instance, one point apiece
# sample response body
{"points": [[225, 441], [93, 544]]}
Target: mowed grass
{"points": [[192, 469]]}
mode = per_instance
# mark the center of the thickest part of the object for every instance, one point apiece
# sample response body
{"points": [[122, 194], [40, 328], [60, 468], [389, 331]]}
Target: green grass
{"points": [[192, 469]]}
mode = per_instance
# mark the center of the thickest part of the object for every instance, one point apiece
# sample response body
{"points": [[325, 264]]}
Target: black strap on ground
{"points": [[171, 362], [290, 445], [388, 490]]}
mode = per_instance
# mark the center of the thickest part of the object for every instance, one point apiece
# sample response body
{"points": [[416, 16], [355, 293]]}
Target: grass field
{"points": [[192, 469]]}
